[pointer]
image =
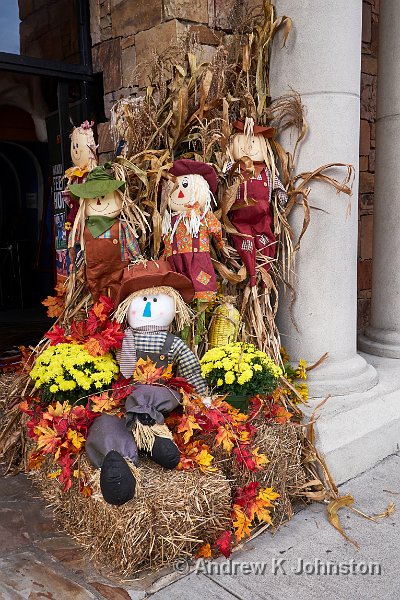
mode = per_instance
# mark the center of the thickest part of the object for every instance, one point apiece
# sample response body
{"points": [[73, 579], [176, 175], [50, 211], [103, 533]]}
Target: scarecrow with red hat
{"points": [[150, 298], [106, 241], [252, 212], [189, 224]]}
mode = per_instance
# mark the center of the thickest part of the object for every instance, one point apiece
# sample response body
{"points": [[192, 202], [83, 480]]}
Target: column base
{"points": [[340, 378], [356, 431], [380, 342]]}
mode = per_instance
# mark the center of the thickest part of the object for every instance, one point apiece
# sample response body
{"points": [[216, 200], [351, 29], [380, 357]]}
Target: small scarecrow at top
{"points": [[188, 224], [107, 242], [252, 214], [84, 159]]}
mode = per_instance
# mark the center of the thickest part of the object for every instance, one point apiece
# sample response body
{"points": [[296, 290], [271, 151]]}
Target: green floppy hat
{"points": [[98, 183]]}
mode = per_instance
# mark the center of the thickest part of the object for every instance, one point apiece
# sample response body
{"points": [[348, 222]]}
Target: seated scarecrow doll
{"points": [[107, 243], [252, 213], [150, 298], [188, 224]]}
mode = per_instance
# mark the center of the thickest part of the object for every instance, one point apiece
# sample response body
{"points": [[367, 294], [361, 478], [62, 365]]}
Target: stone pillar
{"points": [[322, 62], [383, 336]]}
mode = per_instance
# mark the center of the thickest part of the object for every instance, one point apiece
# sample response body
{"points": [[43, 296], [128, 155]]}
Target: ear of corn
{"points": [[224, 325]]}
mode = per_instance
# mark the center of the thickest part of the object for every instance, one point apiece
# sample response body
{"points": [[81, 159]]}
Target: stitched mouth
{"points": [[108, 204]]}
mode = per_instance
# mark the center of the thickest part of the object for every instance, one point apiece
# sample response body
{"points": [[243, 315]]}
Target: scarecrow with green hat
{"points": [[107, 242]]}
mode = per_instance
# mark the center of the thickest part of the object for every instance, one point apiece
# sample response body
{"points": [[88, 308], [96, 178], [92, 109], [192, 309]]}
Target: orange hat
{"points": [[153, 273]]}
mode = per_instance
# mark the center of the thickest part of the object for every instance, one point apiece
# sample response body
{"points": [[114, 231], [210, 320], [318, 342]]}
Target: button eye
{"points": [[185, 183], [145, 299], [154, 299], [102, 197]]}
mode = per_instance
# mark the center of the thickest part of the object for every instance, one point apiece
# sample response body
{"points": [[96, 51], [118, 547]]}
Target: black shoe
{"points": [[165, 453], [117, 482]]}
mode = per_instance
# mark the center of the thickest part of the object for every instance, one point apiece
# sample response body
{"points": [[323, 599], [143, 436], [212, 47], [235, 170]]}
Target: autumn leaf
{"points": [[112, 335], [47, 440], [54, 474], [107, 305], [95, 345], [224, 437], [146, 371], [58, 410], [187, 426], [76, 438], [35, 460], [268, 495], [241, 523], [204, 460], [282, 415], [102, 403], [260, 460], [224, 543], [204, 551], [56, 335], [79, 331]]}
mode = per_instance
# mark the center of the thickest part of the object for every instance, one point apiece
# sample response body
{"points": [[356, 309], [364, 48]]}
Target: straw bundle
{"points": [[173, 513]]}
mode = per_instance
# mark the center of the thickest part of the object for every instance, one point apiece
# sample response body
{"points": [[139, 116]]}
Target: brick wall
{"points": [[367, 157]]}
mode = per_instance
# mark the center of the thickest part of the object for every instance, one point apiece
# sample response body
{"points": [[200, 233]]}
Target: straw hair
{"points": [[183, 314]]}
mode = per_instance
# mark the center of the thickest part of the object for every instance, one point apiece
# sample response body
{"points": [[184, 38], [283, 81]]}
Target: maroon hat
{"points": [[185, 166], [153, 273], [268, 132]]}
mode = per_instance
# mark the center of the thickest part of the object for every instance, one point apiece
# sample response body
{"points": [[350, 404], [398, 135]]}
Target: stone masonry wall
{"points": [[124, 33], [367, 157]]}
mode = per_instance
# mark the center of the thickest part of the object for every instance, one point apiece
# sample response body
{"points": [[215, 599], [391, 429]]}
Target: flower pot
{"points": [[238, 401]]}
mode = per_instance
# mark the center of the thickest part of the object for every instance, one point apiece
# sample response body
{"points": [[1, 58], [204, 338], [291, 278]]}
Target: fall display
{"points": [[160, 415]]}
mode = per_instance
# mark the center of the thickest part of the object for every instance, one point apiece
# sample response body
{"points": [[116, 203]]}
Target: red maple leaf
{"points": [[56, 335], [246, 494], [107, 305], [122, 388], [244, 457], [113, 335], [224, 543], [79, 331]]}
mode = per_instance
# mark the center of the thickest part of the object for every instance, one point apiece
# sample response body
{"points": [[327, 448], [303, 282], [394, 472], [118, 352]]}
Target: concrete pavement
{"points": [[39, 560]]}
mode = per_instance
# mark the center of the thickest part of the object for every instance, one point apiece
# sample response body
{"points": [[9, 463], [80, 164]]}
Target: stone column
{"points": [[322, 62], [383, 336]]}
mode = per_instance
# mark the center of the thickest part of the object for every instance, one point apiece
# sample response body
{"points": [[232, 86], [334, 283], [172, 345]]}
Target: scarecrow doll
{"points": [[188, 224], [107, 243], [84, 159], [151, 296], [252, 213]]}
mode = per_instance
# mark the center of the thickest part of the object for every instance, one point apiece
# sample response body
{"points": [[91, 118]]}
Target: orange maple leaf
{"points": [[94, 347], [241, 523], [187, 426], [35, 461], [260, 460], [47, 439], [204, 551], [224, 437], [102, 403], [75, 438], [282, 415], [146, 371]]}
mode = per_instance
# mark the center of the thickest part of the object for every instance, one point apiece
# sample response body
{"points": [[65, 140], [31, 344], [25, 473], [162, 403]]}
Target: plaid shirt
{"points": [[129, 245], [185, 362]]}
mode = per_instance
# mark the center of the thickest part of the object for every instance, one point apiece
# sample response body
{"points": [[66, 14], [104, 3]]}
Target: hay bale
{"points": [[284, 472], [174, 512]]}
